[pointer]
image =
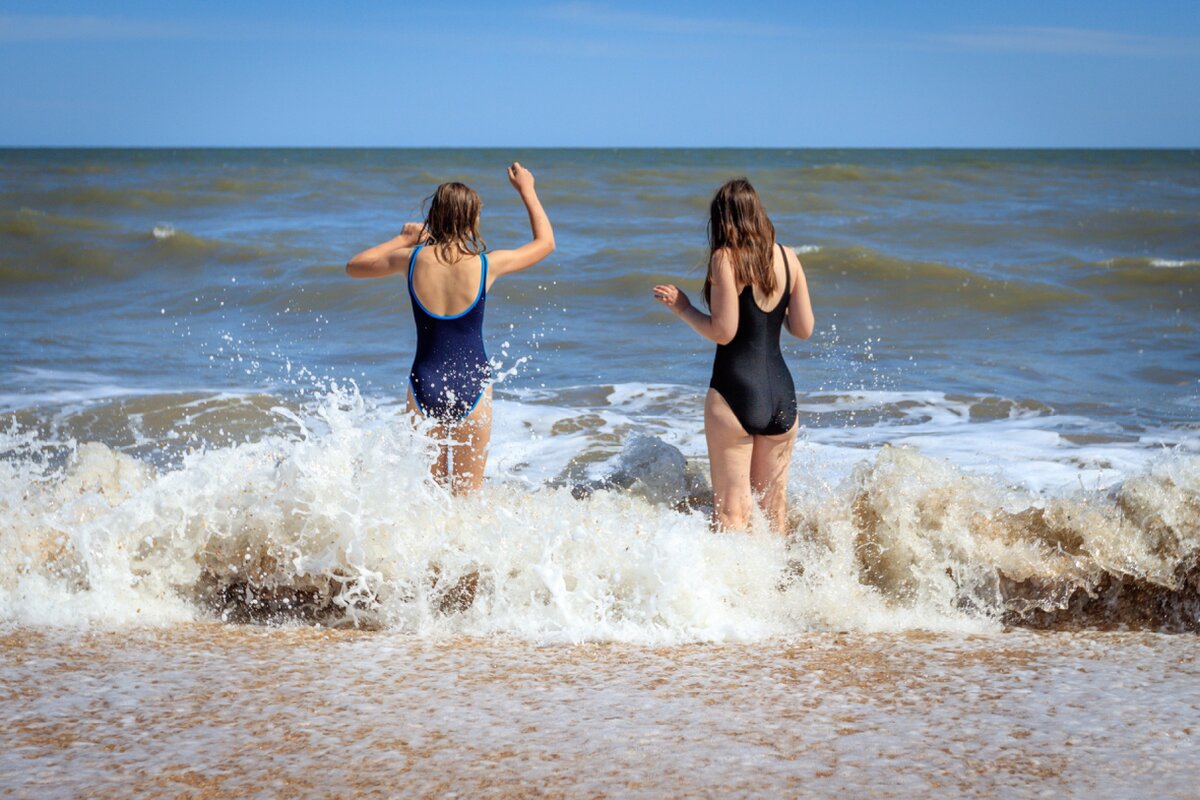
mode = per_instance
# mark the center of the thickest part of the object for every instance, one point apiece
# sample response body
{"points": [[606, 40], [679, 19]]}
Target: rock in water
{"points": [[652, 469]]}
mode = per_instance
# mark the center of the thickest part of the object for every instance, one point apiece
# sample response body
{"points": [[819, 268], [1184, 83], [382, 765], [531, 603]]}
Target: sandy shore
{"points": [[212, 710]]}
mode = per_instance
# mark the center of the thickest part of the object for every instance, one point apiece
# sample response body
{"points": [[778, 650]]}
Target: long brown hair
{"points": [[452, 223], [738, 222]]}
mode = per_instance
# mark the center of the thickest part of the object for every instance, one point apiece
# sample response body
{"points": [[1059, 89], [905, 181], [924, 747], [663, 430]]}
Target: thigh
{"points": [[729, 450], [412, 408], [471, 438], [771, 459], [440, 466]]}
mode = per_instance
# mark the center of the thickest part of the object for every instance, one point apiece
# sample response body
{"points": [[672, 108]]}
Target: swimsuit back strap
{"points": [[482, 276]]}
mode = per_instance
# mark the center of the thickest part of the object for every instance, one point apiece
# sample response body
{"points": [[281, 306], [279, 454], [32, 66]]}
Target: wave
{"points": [[243, 187], [31, 223], [104, 199], [1141, 271], [187, 248], [877, 277], [1120, 229], [845, 173], [42, 247], [332, 520]]}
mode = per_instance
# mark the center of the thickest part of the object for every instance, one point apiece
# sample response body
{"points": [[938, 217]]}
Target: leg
{"points": [[729, 452], [439, 470], [768, 474], [470, 442]]}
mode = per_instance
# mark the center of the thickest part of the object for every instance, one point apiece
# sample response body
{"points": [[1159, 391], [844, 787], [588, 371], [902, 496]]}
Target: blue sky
{"points": [[1055, 73]]}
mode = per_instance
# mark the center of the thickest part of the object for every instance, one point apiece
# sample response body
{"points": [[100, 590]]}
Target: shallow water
{"points": [[220, 711]]}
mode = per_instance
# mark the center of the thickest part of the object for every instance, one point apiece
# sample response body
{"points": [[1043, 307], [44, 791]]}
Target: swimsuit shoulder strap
{"points": [[482, 273], [412, 262], [787, 270]]}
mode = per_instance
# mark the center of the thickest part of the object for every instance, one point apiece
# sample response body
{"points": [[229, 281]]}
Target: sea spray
{"points": [[335, 520], [343, 525]]}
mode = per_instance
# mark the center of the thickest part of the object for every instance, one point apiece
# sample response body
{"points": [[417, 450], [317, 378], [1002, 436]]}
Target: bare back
{"points": [[768, 302], [445, 289]]}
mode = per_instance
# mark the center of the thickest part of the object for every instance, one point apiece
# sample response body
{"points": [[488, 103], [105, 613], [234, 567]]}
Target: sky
{"points": [[839, 73]]}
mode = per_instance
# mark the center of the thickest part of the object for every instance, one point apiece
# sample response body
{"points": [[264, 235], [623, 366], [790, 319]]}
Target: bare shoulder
{"points": [[722, 261], [792, 255], [792, 262], [500, 260], [399, 259]]}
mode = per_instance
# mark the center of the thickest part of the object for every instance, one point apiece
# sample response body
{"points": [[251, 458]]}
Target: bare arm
{"points": [[387, 258], [722, 324], [503, 262], [800, 319]]}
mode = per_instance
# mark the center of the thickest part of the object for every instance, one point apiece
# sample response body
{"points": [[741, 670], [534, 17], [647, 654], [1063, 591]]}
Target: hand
{"points": [[520, 178], [671, 297], [414, 232]]}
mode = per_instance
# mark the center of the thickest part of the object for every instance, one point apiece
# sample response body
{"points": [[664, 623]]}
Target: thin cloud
{"points": [[601, 16], [1069, 41], [29, 28], [24, 28]]}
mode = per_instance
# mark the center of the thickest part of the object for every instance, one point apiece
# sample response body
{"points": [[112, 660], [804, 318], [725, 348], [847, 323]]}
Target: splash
{"points": [[332, 519]]}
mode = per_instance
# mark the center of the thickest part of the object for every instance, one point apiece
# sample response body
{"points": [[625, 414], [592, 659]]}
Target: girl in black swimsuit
{"points": [[754, 287]]}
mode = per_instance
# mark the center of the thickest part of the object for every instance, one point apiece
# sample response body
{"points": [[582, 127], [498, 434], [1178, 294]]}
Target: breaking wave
{"points": [[330, 518]]}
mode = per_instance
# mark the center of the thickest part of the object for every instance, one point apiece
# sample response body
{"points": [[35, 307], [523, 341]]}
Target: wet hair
{"points": [[452, 223], [737, 222]]}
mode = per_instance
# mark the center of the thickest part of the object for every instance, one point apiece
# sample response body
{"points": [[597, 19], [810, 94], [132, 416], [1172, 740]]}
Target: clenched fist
{"points": [[519, 177]]}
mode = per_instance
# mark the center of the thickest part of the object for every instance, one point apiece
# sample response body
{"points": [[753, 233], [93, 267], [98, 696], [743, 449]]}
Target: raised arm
{"points": [[800, 319], [502, 262], [719, 326], [387, 258]]}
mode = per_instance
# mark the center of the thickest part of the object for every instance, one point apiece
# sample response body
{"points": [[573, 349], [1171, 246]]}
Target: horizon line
{"points": [[579, 147]]}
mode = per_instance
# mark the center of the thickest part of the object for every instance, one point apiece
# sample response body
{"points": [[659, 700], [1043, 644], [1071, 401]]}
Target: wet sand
{"points": [[210, 710]]}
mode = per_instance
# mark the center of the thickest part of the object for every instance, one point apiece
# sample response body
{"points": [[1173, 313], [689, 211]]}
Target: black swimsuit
{"points": [[750, 372]]}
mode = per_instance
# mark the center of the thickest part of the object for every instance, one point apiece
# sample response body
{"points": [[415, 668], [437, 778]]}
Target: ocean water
{"points": [[201, 427]]}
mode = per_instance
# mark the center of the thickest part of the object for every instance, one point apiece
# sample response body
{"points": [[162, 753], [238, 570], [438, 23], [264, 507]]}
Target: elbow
{"points": [[549, 244], [723, 337], [802, 329], [356, 269]]}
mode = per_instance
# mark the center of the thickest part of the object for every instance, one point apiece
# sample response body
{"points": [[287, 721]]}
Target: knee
{"points": [[732, 513]]}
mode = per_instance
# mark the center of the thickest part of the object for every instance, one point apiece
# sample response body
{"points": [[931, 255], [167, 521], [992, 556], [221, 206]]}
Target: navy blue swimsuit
{"points": [[450, 370]]}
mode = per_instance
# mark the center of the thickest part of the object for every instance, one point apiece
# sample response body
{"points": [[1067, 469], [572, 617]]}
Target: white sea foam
{"points": [[338, 520], [1020, 444], [1167, 263], [163, 231]]}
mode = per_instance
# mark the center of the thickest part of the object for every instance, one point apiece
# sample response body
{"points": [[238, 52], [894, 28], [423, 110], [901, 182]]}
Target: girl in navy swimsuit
{"points": [[754, 288], [449, 275]]}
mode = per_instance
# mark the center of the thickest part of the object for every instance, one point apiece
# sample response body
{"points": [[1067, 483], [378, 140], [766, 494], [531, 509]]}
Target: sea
{"points": [[224, 569]]}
